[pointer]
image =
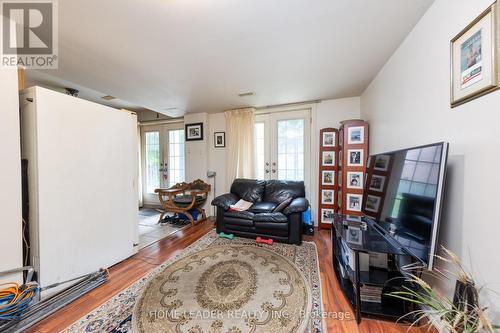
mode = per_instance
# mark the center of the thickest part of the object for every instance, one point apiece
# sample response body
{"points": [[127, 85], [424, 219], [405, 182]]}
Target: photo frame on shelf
{"points": [[327, 197], [355, 180], [219, 139], [382, 163], [355, 157], [327, 215], [377, 183], [356, 135], [328, 139], [354, 202], [328, 158], [194, 131], [475, 59], [328, 178], [372, 203]]}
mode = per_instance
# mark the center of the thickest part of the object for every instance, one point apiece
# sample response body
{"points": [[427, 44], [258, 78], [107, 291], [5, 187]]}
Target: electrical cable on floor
{"points": [[15, 299]]}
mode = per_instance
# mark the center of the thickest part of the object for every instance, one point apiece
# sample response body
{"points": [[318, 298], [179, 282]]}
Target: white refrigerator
{"points": [[82, 180]]}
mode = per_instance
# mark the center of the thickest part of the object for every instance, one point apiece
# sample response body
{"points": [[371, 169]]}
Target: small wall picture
{"points": [[327, 197], [356, 135], [354, 235], [377, 183], [328, 158], [372, 203], [354, 202], [328, 139], [355, 157], [194, 131], [328, 178], [355, 180], [327, 215], [382, 162], [219, 139]]}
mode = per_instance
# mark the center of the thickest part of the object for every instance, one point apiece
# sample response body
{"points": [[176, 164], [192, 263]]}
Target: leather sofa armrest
{"points": [[225, 200], [298, 205]]}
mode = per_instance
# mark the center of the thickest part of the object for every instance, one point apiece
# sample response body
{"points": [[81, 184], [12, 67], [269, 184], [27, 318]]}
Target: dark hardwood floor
{"points": [[130, 270]]}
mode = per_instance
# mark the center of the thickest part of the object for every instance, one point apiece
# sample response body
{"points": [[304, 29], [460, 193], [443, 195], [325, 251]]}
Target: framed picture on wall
{"points": [[327, 197], [328, 158], [219, 139], [377, 183], [372, 203], [355, 157], [355, 180], [328, 178], [475, 59], [327, 215], [382, 163], [356, 135], [328, 139], [194, 131], [354, 202]]}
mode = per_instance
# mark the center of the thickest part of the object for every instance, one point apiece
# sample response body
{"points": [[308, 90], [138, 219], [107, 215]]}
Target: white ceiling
{"points": [[198, 55]]}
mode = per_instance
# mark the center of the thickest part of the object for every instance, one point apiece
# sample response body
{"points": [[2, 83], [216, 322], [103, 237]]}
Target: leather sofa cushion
{"points": [[248, 189], [246, 215], [278, 191], [262, 207], [278, 218], [263, 226]]}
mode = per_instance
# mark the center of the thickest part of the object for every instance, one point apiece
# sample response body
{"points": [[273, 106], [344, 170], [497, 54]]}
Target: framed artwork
{"points": [[355, 180], [328, 158], [382, 163], [328, 139], [354, 235], [356, 135], [194, 131], [328, 178], [474, 58], [372, 203], [327, 197], [327, 215], [354, 202], [377, 183], [355, 157], [219, 139]]}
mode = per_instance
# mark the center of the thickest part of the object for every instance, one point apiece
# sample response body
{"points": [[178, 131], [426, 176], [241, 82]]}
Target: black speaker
{"points": [[308, 229]]}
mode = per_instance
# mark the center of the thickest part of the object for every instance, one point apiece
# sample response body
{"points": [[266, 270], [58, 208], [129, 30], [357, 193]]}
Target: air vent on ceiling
{"points": [[108, 97], [246, 94]]}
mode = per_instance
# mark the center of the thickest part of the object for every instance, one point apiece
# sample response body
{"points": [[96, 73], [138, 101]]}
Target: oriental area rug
{"points": [[217, 285]]}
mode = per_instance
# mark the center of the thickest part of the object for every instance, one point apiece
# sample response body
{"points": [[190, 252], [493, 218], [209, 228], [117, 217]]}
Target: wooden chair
{"points": [[183, 197]]}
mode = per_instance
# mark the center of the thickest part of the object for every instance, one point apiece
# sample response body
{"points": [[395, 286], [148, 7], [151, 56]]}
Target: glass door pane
{"points": [[152, 160], [175, 164], [260, 151], [290, 149]]}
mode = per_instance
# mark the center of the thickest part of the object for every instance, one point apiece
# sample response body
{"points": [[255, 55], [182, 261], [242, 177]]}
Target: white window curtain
{"points": [[240, 144]]}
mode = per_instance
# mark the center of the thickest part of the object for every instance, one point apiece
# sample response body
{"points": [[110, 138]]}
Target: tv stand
{"points": [[364, 281]]}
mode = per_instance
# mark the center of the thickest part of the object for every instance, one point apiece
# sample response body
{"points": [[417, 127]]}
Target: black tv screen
{"points": [[403, 195]]}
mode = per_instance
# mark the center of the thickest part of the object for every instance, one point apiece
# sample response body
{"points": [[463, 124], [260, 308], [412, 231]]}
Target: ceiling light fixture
{"points": [[108, 97]]}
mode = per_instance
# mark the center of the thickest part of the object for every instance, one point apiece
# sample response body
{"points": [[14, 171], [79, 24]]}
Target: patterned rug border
{"points": [[207, 239]]}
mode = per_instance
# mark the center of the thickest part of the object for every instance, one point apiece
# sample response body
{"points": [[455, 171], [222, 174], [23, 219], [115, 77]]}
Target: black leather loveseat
{"points": [[276, 211]]}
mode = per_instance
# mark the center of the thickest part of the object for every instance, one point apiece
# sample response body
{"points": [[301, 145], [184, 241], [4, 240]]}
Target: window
{"points": [[152, 159], [175, 157], [291, 149]]}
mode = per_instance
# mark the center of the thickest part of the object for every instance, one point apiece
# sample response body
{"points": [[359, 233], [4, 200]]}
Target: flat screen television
{"points": [[403, 196]]}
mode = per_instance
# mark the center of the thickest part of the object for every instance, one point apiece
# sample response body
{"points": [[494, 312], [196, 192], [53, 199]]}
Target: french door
{"points": [[162, 158], [282, 146]]}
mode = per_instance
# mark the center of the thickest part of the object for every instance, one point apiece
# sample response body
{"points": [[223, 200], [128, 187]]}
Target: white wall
{"points": [[217, 156], [408, 104], [328, 113], [10, 175]]}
